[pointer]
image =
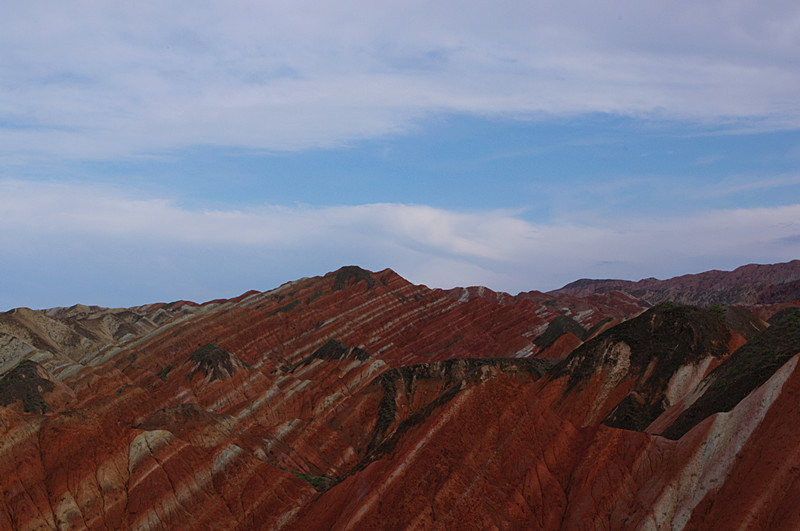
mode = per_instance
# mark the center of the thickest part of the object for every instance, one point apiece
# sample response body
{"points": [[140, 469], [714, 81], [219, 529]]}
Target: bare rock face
{"points": [[357, 400]]}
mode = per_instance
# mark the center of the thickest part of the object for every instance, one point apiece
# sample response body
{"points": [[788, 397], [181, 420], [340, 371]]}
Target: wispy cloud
{"points": [[98, 79], [74, 242], [739, 184]]}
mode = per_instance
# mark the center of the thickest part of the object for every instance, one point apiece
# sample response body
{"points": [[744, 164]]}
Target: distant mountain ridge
{"points": [[752, 284]]}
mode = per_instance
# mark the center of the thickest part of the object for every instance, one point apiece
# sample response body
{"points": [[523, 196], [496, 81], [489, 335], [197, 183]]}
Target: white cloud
{"points": [[67, 243], [748, 183], [92, 78]]}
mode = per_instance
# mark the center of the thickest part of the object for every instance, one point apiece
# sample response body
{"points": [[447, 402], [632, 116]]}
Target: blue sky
{"points": [[184, 150]]}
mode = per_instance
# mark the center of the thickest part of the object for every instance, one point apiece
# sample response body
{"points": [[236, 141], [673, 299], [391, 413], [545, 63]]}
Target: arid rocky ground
{"points": [[358, 400]]}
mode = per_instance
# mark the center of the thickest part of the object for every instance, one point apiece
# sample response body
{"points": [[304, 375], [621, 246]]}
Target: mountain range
{"points": [[358, 400]]}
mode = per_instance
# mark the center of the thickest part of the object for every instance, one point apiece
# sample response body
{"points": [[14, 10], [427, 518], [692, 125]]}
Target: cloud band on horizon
{"points": [[104, 236]]}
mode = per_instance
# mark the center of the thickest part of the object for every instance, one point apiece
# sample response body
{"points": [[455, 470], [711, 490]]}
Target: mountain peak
{"points": [[358, 399]]}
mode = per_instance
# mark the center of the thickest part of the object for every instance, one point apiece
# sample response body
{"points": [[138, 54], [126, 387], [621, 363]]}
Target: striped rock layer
{"points": [[357, 400]]}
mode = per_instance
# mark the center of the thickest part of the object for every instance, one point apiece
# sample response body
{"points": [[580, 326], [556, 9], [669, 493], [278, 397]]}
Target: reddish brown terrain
{"points": [[357, 400], [752, 284]]}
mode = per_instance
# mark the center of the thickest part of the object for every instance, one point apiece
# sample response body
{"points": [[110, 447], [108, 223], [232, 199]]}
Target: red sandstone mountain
{"points": [[752, 284], [358, 400]]}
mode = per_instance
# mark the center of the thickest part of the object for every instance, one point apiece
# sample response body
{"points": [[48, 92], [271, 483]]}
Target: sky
{"points": [[158, 151]]}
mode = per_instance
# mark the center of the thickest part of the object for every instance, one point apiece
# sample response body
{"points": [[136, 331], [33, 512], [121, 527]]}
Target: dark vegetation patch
{"points": [[669, 336], [351, 275], [321, 483], [315, 296], [24, 383], [165, 371], [285, 308], [634, 412], [743, 321], [597, 327], [747, 368], [718, 310], [214, 361], [334, 349], [453, 373], [558, 327], [783, 315], [453, 341]]}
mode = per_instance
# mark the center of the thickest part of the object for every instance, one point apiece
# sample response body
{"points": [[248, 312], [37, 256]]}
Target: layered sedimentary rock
{"points": [[359, 400], [751, 285]]}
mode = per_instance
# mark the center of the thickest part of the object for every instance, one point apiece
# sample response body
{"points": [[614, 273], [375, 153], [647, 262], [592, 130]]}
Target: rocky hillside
{"points": [[750, 285], [357, 400]]}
